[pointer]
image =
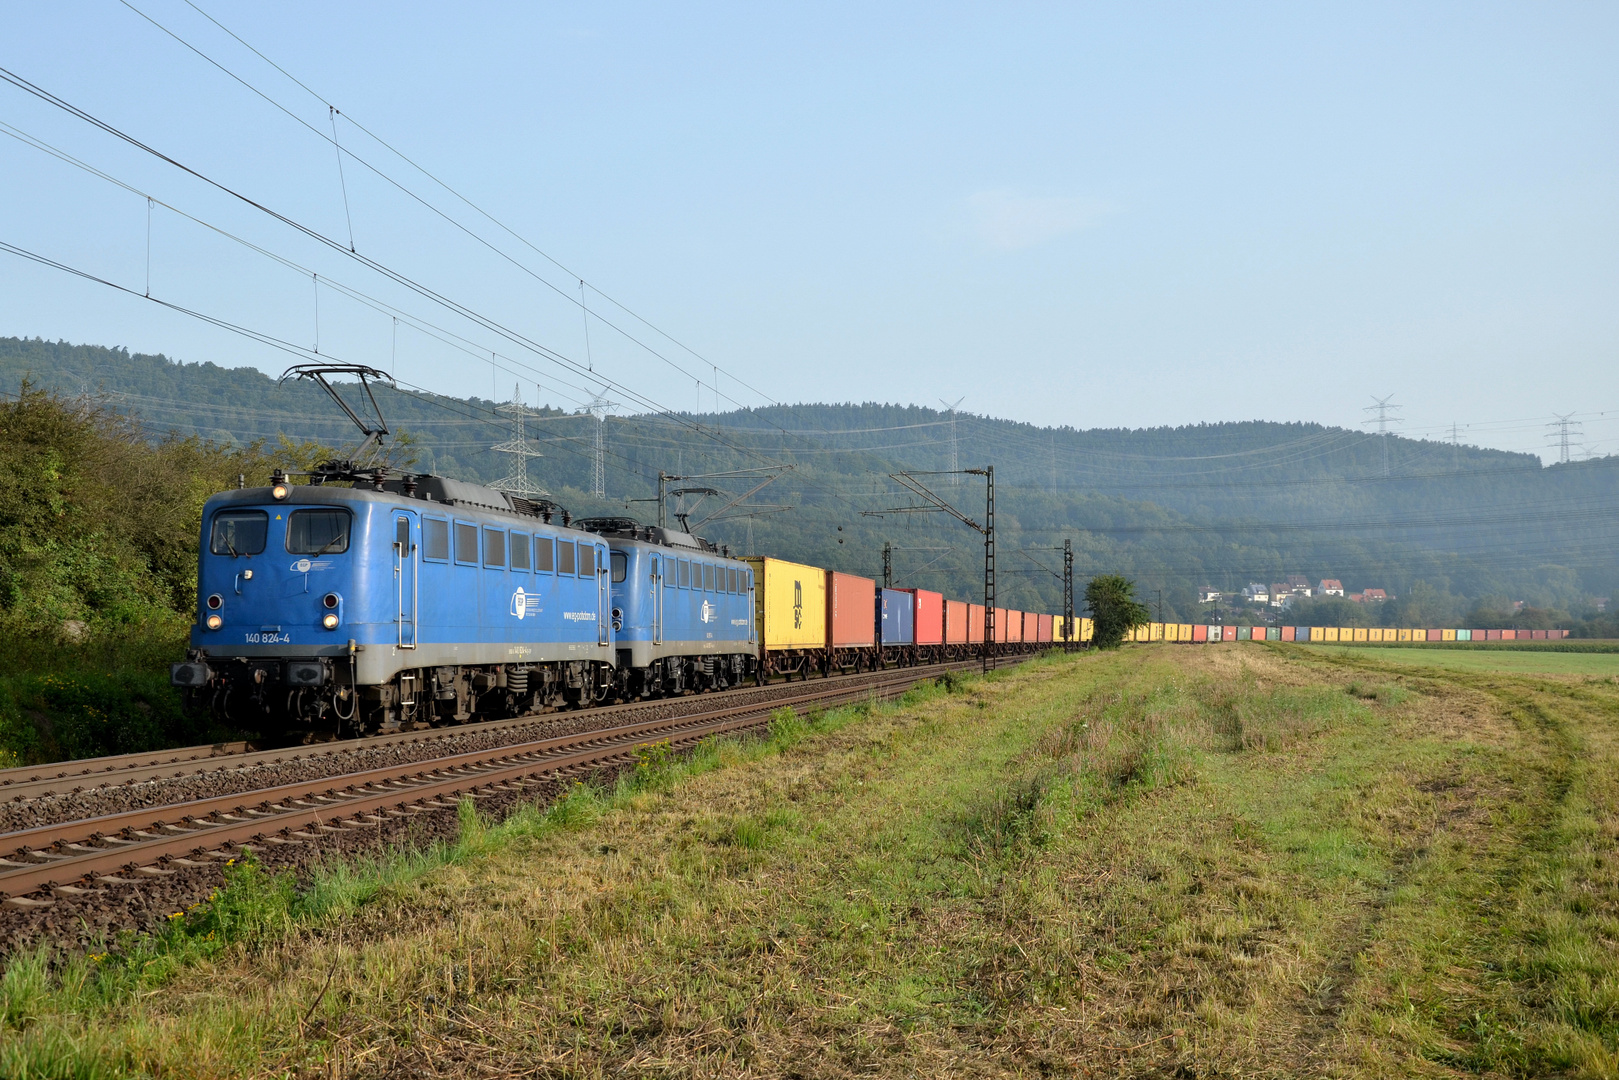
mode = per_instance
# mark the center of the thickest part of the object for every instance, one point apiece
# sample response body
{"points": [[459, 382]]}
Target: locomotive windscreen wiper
{"points": [[333, 542]]}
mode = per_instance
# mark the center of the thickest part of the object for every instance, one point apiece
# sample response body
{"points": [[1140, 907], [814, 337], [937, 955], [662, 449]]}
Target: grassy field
{"points": [[1160, 862], [1526, 661]]}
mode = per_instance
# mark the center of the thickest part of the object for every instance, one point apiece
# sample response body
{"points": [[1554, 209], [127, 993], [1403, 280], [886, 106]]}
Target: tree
{"points": [[1114, 609]]}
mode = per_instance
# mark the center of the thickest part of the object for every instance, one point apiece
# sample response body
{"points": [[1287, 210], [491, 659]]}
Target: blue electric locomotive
{"points": [[682, 611], [419, 600]]}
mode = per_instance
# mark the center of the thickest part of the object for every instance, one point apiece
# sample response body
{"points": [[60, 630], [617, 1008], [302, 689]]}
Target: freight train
{"points": [[368, 601], [1189, 632]]}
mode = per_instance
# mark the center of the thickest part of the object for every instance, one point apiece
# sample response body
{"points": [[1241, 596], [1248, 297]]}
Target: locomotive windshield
{"points": [[239, 532], [318, 532], [621, 566]]}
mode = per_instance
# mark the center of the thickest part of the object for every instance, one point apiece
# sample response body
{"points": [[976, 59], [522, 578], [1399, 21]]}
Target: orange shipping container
{"points": [[1014, 625], [851, 611], [1045, 631], [975, 624], [955, 622], [929, 617], [1031, 627]]}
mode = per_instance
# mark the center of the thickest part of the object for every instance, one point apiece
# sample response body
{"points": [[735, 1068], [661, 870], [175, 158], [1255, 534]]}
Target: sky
{"points": [[1125, 215]]}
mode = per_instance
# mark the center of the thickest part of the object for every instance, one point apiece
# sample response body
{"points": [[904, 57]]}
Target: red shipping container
{"points": [[1436, 635], [1200, 633], [1044, 632], [1492, 635], [851, 611], [1256, 633], [1228, 633], [1031, 627], [1538, 635], [975, 624], [929, 612], [1014, 626], [1000, 625], [1509, 635], [955, 622], [1287, 633]]}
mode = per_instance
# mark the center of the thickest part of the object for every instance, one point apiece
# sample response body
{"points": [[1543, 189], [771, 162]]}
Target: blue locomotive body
{"points": [[682, 613], [427, 600]]}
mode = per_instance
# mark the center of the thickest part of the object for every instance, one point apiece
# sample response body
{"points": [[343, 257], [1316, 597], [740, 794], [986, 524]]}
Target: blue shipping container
{"points": [[896, 617]]}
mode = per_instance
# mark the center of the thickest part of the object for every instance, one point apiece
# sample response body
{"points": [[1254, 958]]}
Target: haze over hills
{"points": [[1212, 504]]}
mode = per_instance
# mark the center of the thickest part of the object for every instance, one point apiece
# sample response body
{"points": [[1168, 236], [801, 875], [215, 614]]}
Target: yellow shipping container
{"points": [[1375, 634], [1360, 634], [791, 602], [1086, 630], [1447, 635], [1404, 635], [1332, 633], [1155, 631], [1186, 631]]}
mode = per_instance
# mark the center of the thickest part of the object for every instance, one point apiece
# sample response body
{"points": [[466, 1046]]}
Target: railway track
{"points": [[89, 774], [92, 858]]}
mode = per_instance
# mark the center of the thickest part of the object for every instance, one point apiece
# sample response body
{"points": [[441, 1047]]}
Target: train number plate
{"points": [[269, 639]]}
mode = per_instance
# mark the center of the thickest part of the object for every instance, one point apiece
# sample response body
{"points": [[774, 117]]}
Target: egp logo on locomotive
{"points": [[523, 603]]}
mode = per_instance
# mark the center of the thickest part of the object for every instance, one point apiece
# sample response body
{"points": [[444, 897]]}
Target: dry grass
{"points": [[1158, 862]]}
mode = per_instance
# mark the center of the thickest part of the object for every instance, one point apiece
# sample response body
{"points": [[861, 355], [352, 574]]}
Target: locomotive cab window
{"points": [[318, 532], [564, 558], [685, 574], [730, 580], [621, 566], [544, 555], [494, 548], [238, 532], [435, 540], [466, 543], [520, 551], [587, 561], [708, 577]]}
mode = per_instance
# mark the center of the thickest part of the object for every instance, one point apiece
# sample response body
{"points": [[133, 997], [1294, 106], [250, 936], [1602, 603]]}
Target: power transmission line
{"points": [[1383, 408]]}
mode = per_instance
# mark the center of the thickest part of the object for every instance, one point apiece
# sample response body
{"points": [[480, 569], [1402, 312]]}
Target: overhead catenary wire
{"points": [[333, 110], [424, 291]]}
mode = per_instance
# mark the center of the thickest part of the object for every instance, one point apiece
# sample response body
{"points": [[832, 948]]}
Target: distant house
{"points": [[1357, 598], [1372, 596], [1298, 585], [1206, 595], [1331, 587], [1279, 595], [1255, 593]]}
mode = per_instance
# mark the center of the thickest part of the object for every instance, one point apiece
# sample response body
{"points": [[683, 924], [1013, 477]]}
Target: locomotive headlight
{"points": [[215, 602], [214, 622], [329, 621], [279, 492]]}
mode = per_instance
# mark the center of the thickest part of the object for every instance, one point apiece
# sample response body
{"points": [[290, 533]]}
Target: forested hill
{"points": [[1215, 504]]}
